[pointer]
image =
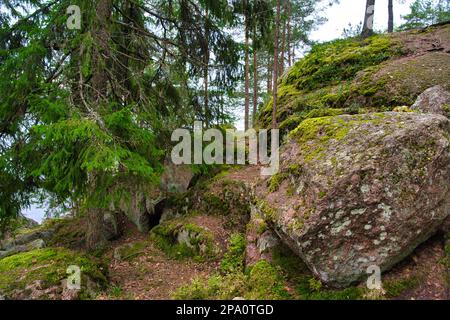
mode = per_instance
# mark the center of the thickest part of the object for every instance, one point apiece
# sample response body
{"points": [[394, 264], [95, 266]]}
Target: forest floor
{"points": [[153, 275]]}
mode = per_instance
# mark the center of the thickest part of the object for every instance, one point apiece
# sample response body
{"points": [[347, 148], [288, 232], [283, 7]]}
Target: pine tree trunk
{"points": [[283, 44], [247, 74], [99, 84], [269, 74], [275, 67], [95, 237], [255, 79], [206, 74], [289, 30], [368, 19], [391, 16]]}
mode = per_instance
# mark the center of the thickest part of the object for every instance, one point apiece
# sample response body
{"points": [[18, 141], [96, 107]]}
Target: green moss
{"points": [[261, 282], [395, 288], [339, 60], [201, 242], [265, 283], [276, 181], [49, 266], [446, 109], [356, 76], [268, 213], [234, 258]]}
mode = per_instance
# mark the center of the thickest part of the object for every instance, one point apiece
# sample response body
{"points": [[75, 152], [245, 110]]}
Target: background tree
{"points": [[86, 115], [426, 12], [367, 30], [390, 16]]}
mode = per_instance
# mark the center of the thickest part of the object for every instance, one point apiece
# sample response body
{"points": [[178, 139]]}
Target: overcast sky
{"points": [[339, 16], [352, 11]]}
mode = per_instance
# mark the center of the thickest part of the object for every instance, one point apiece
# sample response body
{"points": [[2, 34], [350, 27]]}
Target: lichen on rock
{"points": [[371, 188]]}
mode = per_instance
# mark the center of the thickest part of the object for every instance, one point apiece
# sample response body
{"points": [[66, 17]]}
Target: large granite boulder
{"points": [[434, 100], [357, 191]]}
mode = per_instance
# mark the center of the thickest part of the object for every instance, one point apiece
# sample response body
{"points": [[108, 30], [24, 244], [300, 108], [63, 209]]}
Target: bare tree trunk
{"points": [[255, 79], [283, 44], [95, 237], [289, 30], [99, 83], [391, 16], [269, 75], [247, 72], [206, 73], [275, 67], [368, 19]]}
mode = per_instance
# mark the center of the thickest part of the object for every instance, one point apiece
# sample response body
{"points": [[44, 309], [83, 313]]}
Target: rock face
{"points": [[141, 203], [24, 243], [356, 191], [434, 100]]}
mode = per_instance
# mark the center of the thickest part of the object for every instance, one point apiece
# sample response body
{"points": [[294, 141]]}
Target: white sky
{"points": [[352, 11]]}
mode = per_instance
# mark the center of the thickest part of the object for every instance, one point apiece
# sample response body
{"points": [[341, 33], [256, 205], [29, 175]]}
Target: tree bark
{"points": [[206, 73], [247, 70], [275, 67], [368, 19], [95, 237], [391, 16], [289, 30], [255, 79], [269, 74], [99, 83], [283, 44]]}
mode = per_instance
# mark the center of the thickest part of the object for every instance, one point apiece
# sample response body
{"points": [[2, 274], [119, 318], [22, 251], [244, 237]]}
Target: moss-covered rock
{"points": [[181, 238], [40, 274], [355, 191], [218, 196], [358, 76], [261, 282]]}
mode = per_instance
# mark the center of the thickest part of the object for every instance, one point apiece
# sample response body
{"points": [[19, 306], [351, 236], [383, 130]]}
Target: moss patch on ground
{"points": [[262, 281], [48, 265], [181, 239]]}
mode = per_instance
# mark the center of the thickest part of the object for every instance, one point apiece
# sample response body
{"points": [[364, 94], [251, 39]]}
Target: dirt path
{"points": [[152, 275]]}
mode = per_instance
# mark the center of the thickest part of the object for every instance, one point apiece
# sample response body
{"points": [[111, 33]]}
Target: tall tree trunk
{"points": [[269, 74], [283, 43], [289, 31], [391, 16], [99, 84], [247, 70], [95, 237], [255, 79], [206, 72], [368, 19], [275, 67]]}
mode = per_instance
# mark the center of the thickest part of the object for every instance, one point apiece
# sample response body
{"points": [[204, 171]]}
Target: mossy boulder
{"points": [[434, 100], [42, 274], [181, 238], [361, 190], [219, 196], [355, 76]]}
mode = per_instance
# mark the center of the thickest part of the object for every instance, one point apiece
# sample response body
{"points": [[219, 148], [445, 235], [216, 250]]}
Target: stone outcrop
{"points": [[434, 100], [357, 191]]}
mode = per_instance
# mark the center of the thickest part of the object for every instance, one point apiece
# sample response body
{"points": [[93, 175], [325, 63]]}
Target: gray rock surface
{"points": [[434, 100], [356, 191]]}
